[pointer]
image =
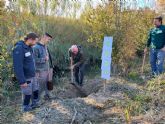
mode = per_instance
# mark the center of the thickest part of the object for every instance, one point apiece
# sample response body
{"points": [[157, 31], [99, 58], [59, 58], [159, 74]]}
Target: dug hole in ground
{"points": [[113, 106]]}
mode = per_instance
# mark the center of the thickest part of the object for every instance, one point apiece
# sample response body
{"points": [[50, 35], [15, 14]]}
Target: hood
{"points": [[22, 44]]}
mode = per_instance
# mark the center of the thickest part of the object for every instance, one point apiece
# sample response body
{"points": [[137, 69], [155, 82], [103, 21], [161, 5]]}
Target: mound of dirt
{"points": [[67, 109], [70, 91], [98, 107]]}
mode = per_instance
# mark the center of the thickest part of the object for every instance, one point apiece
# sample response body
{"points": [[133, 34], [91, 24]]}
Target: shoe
{"points": [[27, 108], [35, 104], [153, 75], [47, 97]]}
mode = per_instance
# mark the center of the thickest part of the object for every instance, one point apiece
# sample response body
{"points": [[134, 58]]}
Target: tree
{"points": [[129, 28], [161, 6], [2, 5]]}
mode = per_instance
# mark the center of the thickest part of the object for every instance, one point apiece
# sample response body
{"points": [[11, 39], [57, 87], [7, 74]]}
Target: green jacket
{"points": [[156, 39]]}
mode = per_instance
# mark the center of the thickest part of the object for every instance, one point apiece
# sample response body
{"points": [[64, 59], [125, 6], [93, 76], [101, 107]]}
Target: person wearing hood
{"points": [[24, 69]]}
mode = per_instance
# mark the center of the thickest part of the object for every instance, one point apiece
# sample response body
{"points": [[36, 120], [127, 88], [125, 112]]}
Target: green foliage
{"points": [[133, 75], [16, 25], [138, 104], [2, 4], [129, 29], [142, 98], [156, 89]]}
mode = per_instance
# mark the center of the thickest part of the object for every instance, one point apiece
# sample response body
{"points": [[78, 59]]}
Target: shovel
{"points": [[71, 70], [142, 69], [82, 93]]}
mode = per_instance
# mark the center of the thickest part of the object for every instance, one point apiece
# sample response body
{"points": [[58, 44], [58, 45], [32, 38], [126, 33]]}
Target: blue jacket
{"points": [[23, 62], [40, 52]]}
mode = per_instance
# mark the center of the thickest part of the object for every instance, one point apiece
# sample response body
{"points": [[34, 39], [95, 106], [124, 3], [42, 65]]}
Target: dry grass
{"points": [[123, 102]]}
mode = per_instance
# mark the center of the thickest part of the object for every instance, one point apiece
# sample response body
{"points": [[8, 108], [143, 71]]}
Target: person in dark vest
{"points": [[24, 68], [43, 63], [156, 44], [77, 63]]}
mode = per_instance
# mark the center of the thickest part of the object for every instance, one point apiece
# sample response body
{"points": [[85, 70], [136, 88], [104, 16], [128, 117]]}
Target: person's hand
{"points": [[163, 49], [37, 75], [145, 50], [72, 67], [46, 58], [24, 85]]}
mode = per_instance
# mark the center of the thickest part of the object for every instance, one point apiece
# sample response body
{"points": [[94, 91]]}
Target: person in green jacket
{"points": [[156, 44]]}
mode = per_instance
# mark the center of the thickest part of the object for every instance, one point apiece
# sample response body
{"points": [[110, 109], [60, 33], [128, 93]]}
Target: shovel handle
{"points": [[71, 64], [144, 58]]}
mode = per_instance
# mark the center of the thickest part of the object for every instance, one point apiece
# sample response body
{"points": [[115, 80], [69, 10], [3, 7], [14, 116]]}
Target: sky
{"points": [[140, 3], [134, 4], [144, 3]]}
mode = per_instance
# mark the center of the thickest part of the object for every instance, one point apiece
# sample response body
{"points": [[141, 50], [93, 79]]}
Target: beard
{"points": [[32, 44]]}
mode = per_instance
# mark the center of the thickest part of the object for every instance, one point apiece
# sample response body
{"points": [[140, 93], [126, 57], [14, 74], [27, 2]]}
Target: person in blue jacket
{"points": [[24, 68], [43, 64]]}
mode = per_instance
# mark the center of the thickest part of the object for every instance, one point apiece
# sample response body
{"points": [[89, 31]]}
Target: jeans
{"points": [[42, 78], [79, 74], [30, 92], [156, 61]]}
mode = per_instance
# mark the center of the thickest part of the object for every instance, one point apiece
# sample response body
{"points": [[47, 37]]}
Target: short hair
{"points": [[48, 35], [32, 36], [160, 18]]}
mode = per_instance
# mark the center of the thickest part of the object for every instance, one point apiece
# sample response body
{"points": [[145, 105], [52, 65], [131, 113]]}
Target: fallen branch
{"points": [[74, 116], [47, 111]]}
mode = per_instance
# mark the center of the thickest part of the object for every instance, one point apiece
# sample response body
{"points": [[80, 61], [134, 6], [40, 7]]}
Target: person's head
{"points": [[74, 49], [46, 38], [31, 39], [158, 21]]}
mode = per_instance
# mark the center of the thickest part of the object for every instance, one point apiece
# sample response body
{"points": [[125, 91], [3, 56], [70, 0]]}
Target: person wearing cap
{"points": [[43, 64], [156, 44], [24, 68], [77, 63]]}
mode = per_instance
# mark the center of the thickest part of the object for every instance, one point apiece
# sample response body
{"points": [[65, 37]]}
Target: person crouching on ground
{"points": [[77, 63]]}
